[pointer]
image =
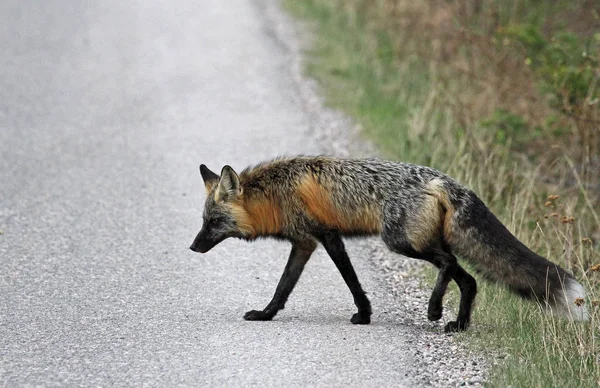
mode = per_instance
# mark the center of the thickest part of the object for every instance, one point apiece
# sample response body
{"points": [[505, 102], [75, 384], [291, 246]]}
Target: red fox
{"points": [[419, 212]]}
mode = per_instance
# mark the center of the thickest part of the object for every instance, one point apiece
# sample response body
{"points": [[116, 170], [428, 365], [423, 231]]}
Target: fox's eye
{"points": [[213, 221]]}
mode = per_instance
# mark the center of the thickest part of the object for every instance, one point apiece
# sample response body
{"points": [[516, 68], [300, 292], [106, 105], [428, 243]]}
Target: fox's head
{"points": [[224, 214]]}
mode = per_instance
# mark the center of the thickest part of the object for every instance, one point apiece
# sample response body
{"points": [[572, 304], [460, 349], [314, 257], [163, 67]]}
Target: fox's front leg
{"points": [[299, 255], [332, 241]]}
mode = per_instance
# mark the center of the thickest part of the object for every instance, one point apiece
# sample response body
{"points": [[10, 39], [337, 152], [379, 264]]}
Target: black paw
{"points": [[256, 315], [456, 326], [434, 313], [361, 319]]}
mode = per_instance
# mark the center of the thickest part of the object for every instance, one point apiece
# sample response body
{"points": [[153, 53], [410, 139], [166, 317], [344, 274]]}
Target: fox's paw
{"points": [[434, 313], [456, 326], [360, 319], [256, 315]]}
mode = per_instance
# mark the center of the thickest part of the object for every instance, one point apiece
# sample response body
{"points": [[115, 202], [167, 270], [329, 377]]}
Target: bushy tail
{"points": [[476, 235]]}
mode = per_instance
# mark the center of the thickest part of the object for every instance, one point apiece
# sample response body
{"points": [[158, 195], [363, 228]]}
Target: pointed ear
{"points": [[229, 185], [209, 177]]}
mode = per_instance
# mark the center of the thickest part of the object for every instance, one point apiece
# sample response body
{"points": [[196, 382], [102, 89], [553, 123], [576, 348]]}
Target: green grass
{"points": [[402, 104], [383, 101]]}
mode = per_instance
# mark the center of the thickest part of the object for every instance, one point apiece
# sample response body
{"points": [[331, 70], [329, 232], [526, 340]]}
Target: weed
{"points": [[468, 87]]}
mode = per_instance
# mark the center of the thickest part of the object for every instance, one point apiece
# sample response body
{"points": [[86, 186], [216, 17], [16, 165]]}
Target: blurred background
{"points": [[504, 96], [108, 107]]}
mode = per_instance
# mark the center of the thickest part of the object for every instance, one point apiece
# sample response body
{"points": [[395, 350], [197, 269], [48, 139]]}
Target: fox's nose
{"points": [[197, 246]]}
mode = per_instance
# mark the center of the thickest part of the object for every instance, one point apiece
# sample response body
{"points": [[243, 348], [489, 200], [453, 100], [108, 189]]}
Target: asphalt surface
{"points": [[106, 110]]}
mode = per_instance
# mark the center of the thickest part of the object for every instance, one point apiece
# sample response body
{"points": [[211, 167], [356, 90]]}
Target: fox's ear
{"points": [[209, 177], [229, 185]]}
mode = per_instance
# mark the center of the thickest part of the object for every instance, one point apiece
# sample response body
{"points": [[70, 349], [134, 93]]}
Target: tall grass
{"points": [[416, 111]]}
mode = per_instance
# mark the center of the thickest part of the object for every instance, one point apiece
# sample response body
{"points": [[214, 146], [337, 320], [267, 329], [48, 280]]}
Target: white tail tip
{"points": [[574, 302]]}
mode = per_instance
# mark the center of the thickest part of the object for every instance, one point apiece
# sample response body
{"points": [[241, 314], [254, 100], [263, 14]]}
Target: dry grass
{"points": [[483, 65], [421, 78]]}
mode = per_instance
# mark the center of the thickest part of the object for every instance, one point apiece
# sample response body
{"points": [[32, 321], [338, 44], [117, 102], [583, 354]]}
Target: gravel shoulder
{"points": [[442, 361], [108, 109]]}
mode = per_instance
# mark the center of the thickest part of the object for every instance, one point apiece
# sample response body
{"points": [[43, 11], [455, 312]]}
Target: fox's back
{"points": [[345, 194], [360, 178]]}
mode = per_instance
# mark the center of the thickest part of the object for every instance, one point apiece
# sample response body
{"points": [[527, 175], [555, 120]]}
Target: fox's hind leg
{"points": [[446, 262], [445, 275], [301, 252], [468, 290], [420, 236], [450, 269], [335, 248], [435, 307]]}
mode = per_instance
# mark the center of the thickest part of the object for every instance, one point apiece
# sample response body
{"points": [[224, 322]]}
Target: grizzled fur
{"points": [[418, 212]]}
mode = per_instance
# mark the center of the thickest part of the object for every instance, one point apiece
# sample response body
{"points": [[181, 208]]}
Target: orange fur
{"points": [[256, 216], [264, 214], [448, 221], [243, 219], [321, 207], [436, 190], [423, 229], [318, 204]]}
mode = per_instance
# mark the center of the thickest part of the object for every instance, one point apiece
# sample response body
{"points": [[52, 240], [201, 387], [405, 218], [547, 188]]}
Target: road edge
{"points": [[443, 360]]}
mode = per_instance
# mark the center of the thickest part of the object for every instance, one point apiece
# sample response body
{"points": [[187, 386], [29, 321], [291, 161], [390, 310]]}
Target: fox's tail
{"points": [[476, 235]]}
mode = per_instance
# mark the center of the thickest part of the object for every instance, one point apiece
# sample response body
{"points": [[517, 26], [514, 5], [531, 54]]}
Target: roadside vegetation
{"points": [[505, 97]]}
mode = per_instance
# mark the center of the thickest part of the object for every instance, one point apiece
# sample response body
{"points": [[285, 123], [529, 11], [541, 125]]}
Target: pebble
{"points": [[442, 361]]}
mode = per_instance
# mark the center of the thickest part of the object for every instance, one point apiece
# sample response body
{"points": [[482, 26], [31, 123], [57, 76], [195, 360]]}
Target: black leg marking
{"points": [[301, 252], [449, 269], [445, 264], [468, 290], [335, 248], [435, 308]]}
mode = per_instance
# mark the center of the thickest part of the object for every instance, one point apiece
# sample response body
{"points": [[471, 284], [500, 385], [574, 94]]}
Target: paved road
{"points": [[106, 110]]}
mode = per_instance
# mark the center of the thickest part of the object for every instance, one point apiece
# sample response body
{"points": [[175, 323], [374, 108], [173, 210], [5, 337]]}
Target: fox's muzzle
{"points": [[203, 243]]}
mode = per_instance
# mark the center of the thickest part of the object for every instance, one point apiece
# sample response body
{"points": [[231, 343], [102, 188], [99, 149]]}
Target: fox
{"points": [[417, 211]]}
